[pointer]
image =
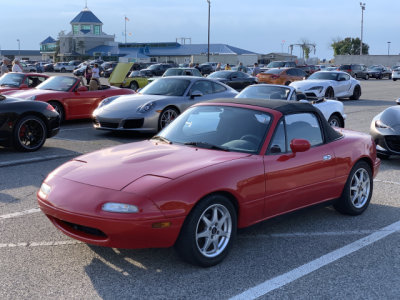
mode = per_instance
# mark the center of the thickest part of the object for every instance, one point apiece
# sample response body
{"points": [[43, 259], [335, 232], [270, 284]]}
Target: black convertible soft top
{"points": [[286, 108]]}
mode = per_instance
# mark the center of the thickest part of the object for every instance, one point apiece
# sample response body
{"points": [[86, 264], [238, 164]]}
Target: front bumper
{"points": [[75, 209]]}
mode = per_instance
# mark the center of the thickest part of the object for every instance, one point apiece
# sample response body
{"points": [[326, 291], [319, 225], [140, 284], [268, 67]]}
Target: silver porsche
{"points": [[157, 104]]}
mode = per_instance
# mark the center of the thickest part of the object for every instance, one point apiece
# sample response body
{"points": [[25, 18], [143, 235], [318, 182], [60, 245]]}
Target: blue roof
{"points": [[86, 16], [174, 49], [48, 40]]}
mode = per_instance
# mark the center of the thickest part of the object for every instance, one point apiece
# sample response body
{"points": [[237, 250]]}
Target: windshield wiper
{"points": [[161, 138], [206, 145]]}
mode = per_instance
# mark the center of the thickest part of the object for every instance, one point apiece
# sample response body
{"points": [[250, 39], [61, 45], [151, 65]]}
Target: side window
{"points": [[203, 86], [278, 142], [218, 88], [303, 126], [33, 81], [291, 72], [239, 75]]}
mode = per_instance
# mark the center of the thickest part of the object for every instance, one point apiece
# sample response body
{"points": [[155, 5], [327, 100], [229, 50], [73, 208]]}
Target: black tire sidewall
{"points": [[59, 108], [16, 142], [186, 245]]}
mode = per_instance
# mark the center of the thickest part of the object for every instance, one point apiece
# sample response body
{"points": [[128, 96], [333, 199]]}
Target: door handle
{"points": [[327, 157]]}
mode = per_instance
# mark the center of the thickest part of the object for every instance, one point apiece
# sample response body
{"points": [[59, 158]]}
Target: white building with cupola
{"points": [[86, 33]]}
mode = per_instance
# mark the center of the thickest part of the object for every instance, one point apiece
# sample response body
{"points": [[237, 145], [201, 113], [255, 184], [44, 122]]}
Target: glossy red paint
{"points": [[77, 103], [166, 181], [26, 82]]}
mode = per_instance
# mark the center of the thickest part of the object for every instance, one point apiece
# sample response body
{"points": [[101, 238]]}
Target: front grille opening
{"points": [[133, 123], [85, 229], [109, 125], [393, 142]]}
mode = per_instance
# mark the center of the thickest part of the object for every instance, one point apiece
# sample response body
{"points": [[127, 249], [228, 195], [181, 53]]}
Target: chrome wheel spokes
{"points": [[213, 230], [360, 188]]}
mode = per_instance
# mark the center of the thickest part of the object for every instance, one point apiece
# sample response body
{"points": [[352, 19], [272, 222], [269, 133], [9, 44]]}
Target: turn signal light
{"points": [[161, 225]]}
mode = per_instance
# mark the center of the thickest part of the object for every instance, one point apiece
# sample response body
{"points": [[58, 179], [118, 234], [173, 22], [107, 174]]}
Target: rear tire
{"points": [[366, 77], [356, 93], [133, 86], [357, 191], [334, 120], [208, 232]]}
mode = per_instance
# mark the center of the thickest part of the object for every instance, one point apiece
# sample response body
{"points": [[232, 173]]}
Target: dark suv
{"points": [[281, 64], [355, 70], [156, 69]]}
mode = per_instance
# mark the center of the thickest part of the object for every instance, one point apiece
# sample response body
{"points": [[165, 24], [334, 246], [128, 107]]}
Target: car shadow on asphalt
{"points": [[369, 102], [159, 273]]}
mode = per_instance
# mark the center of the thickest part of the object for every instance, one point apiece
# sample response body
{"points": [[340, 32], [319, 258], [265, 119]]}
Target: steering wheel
{"points": [[251, 138]]}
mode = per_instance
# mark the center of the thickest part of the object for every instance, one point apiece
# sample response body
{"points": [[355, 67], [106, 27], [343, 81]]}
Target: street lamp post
{"points": [[362, 5], [19, 47], [388, 47], [209, 10]]}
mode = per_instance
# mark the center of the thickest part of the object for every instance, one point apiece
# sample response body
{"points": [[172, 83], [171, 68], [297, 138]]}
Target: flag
{"points": [[126, 19]]}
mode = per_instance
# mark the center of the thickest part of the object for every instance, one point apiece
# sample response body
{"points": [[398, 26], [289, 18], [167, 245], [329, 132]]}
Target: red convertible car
{"points": [[221, 165], [70, 98], [20, 81]]}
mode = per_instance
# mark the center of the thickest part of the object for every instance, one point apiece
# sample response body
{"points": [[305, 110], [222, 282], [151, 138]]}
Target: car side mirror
{"points": [[82, 89], [23, 86], [195, 94], [299, 145], [398, 101]]}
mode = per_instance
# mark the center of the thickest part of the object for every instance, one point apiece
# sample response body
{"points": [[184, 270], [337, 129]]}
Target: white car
{"points": [[332, 110], [395, 73], [330, 85]]}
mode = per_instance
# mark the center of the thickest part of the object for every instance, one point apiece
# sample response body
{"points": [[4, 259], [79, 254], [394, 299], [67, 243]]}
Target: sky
{"points": [[262, 26]]}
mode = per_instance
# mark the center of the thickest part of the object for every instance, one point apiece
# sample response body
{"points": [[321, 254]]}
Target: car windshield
{"points": [[220, 74], [11, 79], [376, 69], [323, 76], [276, 64], [218, 127], [58, 83], [153, 67], [175, 72], [265, 92], [167, 87]]}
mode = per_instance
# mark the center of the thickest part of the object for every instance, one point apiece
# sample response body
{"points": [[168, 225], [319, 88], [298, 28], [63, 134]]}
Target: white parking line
{"points": [[279, 281], [34, 244], [35, 159], [20, 213]]}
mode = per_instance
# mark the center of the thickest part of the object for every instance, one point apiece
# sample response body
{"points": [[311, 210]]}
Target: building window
{"points": [[86, 27], [97, 29], [75, 29]]}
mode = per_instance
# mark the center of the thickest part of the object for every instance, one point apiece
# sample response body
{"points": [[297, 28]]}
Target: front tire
{"points": [[357, 192], [329, 93], [208, 232], [366, 77], [30, 133], [356, 93], [166, 117]]}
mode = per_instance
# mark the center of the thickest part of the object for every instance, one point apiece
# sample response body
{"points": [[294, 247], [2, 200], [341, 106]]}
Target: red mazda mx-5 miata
{"points": [[70, 98], [221, 165]]}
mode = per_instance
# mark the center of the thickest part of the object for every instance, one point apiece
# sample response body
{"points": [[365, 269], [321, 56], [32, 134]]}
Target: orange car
{"points": [[281, 76]]}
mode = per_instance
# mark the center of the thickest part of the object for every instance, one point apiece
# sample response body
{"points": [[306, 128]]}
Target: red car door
{"points": [[295, 180], [81, 103]]}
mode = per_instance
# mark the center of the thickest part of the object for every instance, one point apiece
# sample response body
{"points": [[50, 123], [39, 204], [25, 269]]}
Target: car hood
{"points": [[119, 73], [116, 167], [305, 84], [126, 105], [8, 88]]}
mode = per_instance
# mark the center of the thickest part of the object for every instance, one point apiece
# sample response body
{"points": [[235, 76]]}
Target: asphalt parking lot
{"points": [[315, 253]]}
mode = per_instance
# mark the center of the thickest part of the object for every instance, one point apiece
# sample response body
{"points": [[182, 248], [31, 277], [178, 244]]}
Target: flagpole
{"points": [[125, 30]]}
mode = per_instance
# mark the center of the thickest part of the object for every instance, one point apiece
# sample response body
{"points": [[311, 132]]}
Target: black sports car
{"points": [[235, 79], [385, 131], [26, 124]]}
